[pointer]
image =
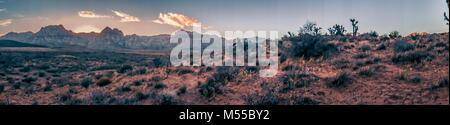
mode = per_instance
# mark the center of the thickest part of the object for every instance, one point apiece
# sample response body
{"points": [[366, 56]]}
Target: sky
{"points": [[153, 17]]}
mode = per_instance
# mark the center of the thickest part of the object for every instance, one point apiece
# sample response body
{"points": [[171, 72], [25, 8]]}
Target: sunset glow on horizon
{"points": [[163, 17]]}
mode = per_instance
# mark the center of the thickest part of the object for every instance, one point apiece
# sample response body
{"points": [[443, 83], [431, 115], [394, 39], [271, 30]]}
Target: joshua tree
{"points": [[317, 30], [445, 14], [337, 30], [355, 26], [291, 34], [310, 28]]}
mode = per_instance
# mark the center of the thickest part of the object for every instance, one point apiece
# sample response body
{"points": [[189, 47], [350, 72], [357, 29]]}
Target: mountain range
{"points": [[12, 43], [107, 39]]}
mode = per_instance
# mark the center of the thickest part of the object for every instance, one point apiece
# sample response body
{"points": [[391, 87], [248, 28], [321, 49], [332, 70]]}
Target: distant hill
{"points": [[12, 43], [108, 39]]}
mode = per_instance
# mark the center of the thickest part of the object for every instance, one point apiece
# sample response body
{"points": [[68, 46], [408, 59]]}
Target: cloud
{"points": [[126, 17], [5, 22], [87, 29], [91, 14], [176, 20]]}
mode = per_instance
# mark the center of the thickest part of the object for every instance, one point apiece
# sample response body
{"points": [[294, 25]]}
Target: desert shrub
{"points": [[125, 68], [160, 85], [290, 68], [109, 74], [361, 55], [29, 90], [416, 79], [304, 101], [156, 78], [204, 70], [86, 82], [342, 63], [103, 82], [10, 80], [25, 69], [6, 102], [53, 70], [208, 69], [63, 97], [365, 48], [44, 66], [47, 88], [160, 62], [140, 96], [342, 80], [60, 82], [310, 28], [368, 61], [367, 72], [382, 46], [403, 46], [252, 69], [373, 60], [267, 99], [97, 77], [414, 36], [29, 80], [17, 85], [443, 83], [67, 99], [122, 89], [359, 64], [210, 89], [181, 90], [41, 74], [100, 98], [182, 71], [72, 91], [2, 88], [105, 67], [167, 100], [283, 57], [138, 82], [297, 80], [73, 101], [214, 85], [394, 34], [142, 71], [412, 57], [311, 47], [421, 45], [438, 45], [368, 36], [225, 74], [401, 76], [373, 33], [337, 30], [344, 39]]}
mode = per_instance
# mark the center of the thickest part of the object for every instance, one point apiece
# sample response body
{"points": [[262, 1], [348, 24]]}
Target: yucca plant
{"points": [[445, 14], [355, 26], [337, 30]]}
